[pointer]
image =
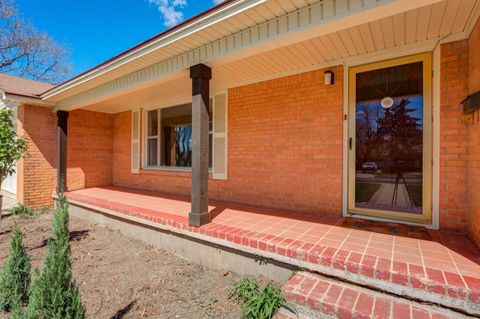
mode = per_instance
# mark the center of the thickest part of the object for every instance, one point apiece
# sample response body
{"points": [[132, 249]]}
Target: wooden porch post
{"points": [[62, 129], [200, 75]]}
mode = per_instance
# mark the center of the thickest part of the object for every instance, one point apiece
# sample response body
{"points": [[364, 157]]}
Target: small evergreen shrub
{"points": [[257, 303], [15, 277], [54, 293]]}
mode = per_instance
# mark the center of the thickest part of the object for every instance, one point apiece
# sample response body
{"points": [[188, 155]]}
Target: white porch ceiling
{"points": [[430, 23], [174, 92]]}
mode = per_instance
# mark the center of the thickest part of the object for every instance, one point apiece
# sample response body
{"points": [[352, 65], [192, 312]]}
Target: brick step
{"points": [[316, 296], [436, 286]]}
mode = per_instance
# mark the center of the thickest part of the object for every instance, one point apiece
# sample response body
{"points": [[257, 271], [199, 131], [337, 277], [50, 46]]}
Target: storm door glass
{"points": [[389, 128]]}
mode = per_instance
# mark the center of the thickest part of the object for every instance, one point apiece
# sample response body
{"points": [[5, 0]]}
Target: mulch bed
{"points": [[120, 277]]}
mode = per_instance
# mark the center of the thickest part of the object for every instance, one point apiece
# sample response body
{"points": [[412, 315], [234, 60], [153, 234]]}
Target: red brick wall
{"points": [[453, 136], [89, 157], [36, 172], [90, 148], [285, 147], [473, 172]]}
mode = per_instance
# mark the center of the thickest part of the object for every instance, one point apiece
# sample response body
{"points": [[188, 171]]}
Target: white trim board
{"points": [[195, 26]]}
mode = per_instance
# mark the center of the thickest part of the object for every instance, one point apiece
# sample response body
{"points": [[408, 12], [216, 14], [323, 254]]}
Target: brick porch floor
{"points": [[448, 266]]}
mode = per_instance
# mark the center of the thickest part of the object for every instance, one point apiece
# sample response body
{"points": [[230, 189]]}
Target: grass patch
{"points": [[22, 210], [415, 191], [257, 303], [365, 191]]}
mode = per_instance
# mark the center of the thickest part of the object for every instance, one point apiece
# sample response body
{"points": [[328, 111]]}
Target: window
{"points": [[169, 137], [152, 138]]}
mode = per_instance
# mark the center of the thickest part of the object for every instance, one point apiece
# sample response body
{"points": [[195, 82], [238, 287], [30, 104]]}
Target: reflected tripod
{"points": [[395, 189]]}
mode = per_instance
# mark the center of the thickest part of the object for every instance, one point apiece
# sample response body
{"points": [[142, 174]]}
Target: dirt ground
{"points": [[120, 277]]}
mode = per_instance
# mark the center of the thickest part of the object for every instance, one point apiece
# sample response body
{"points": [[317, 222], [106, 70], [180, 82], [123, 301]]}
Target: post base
{"points": [[199, 219]]}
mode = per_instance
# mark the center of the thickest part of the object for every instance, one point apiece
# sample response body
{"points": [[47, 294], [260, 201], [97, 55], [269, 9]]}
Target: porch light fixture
{"points": [[471, 103], [387, 102], [329, 77]]}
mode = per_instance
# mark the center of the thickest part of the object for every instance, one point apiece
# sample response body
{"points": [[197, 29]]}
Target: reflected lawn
{"points": [[365, 191]]}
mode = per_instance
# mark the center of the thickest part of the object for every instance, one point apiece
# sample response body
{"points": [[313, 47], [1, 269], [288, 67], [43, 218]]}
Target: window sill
{"points": [[171, 169]]}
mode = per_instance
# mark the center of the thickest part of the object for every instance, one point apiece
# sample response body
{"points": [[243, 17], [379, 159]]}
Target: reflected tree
{"points": [[392, 134], [402, 131], [183, 149]]}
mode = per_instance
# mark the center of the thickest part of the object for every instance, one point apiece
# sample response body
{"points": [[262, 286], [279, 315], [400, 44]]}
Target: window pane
{"points": [[152, 150], [176, 135], [389, 139], [153, 123], [183, 146]]}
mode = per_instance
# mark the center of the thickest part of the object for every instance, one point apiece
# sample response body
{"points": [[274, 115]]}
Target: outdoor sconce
{"points": [[329, 77], [471, 103]]}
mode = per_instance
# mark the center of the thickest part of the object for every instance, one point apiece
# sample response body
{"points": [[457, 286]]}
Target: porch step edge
{"points": [[316, 296]]}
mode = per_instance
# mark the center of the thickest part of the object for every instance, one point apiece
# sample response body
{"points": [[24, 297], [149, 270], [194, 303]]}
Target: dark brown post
{"points": [[200, 75], [62, 129]]}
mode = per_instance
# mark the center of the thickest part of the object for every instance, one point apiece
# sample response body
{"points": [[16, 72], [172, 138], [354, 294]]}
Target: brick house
{"points": [[15, 91], [343, 108]]}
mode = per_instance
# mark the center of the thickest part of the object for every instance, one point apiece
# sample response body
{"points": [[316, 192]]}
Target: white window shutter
{"points": [[136, 141], [220, 137]]}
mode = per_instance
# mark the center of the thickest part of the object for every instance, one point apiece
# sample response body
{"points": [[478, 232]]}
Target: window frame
{"points": [[426, 216], [148, 137], [145, 138]]}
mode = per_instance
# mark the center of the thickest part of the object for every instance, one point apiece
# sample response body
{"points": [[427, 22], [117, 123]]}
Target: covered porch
{"points": [[269, 117], [430, 265]]}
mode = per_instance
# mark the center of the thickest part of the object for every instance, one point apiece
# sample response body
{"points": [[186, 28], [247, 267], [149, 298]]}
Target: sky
{"points": [[96, 30]]}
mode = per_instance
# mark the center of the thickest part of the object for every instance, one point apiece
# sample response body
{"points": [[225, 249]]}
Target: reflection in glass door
{"points": [[389, 147]]}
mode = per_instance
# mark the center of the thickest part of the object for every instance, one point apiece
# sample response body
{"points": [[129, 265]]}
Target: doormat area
{"points": [[418, 232]]}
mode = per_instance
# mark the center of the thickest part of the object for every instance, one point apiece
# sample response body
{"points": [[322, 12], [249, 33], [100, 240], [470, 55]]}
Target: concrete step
{"points": [[315, 296]]}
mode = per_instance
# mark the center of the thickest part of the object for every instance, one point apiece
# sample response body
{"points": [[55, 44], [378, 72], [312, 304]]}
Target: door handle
{"points": [[350, 141]]}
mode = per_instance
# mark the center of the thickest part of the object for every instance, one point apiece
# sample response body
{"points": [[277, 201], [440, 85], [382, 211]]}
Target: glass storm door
{"points": [[390, 139]]}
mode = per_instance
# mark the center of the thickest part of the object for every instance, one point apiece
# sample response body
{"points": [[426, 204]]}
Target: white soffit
{"points": [[317, 32], [174, 92], [420, 28]]}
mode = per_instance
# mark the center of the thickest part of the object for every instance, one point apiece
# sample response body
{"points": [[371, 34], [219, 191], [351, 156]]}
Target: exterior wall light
{"points": [[329, 77], [471, 103]]}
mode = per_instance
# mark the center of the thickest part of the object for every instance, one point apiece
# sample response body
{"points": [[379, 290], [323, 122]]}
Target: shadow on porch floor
{"points": [[447, 265]]}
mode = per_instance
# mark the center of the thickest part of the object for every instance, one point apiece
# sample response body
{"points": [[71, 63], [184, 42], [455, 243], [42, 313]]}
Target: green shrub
{"points": [[12, 147], [257, 303], [22, 210], [54, 293], [15, 277]]}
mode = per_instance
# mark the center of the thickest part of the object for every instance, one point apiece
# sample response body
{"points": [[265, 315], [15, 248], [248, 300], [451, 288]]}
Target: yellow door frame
{"points": [[426, 216]]}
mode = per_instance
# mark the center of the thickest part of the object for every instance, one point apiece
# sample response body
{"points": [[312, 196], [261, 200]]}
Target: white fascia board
{"points": [[20, 99], [197, 25], [472, 20], [310, 21]]}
